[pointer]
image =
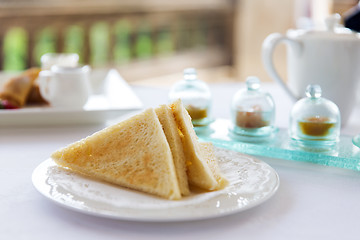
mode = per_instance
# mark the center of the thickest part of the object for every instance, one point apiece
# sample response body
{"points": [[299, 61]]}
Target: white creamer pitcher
{"points": [[65, 86], [329, 58]]}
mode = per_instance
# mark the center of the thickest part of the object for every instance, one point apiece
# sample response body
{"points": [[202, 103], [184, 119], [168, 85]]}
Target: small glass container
{"points": [[253, 110], [195, 96], [315, 121]]}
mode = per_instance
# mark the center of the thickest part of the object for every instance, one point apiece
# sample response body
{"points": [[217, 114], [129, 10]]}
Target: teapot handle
{"points": [[268, 48], [44, 81]]}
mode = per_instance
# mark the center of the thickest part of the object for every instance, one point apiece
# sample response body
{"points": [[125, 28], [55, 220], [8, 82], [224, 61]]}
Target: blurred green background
{"points": [[118, 43]]}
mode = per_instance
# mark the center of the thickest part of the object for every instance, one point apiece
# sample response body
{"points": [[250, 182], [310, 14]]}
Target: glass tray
{"points": [[343, 155]]}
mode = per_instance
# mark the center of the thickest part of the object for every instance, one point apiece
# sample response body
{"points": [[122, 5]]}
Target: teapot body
{"points": [[329, 58], [327, 62]]}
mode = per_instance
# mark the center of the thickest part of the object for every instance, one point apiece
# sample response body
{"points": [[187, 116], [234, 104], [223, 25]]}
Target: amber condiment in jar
{"points": [[316, 126]]}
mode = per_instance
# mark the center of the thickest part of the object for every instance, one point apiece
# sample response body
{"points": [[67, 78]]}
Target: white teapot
{"points": [[329, 58]]}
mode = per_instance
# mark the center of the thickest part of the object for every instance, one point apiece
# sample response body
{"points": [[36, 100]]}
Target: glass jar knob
{"points": [[190, 74], [253, 83], [313, 91]]}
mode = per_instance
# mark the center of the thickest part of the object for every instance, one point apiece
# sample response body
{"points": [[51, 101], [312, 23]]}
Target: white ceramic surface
{"points": [[61, 59], [111, 97], [328, 58], [252, 182], [65, 86]]}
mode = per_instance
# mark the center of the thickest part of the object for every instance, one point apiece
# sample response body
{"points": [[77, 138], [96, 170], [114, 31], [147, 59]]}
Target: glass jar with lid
{"points": [[195, 95], [253, 110], [314, 120]]}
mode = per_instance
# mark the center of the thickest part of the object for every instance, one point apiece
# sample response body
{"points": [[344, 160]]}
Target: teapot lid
{"points": [[330, 29]]}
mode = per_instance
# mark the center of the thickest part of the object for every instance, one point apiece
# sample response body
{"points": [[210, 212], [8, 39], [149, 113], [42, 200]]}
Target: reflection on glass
{"points": [[356, 140]]}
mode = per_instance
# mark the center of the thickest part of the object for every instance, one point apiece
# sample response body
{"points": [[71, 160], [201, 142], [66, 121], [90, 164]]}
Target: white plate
{"points": [[111, 97], [252, 182]]}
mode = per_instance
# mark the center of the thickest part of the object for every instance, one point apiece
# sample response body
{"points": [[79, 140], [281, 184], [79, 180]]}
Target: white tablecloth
{"points": [[313, 201]]}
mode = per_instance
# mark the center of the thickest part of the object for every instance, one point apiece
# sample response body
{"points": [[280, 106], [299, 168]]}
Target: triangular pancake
{"points": [[207, 152], [170, 128], [133, 153], [199, 173]]}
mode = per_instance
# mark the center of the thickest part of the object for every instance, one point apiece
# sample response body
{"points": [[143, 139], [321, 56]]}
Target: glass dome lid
{"points": [[315, 118], [195, 96], [253, 110], [253, 98]]}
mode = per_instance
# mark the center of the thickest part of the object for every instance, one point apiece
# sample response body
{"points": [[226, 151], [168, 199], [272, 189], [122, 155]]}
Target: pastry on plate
{"points": [[133, 153], [156, 151]]}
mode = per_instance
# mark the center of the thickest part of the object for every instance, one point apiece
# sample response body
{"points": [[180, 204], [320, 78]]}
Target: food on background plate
{"points": [[156, 151], [35, 96], [20, 90]]}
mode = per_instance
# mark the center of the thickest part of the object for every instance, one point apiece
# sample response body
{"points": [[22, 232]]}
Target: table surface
{"points": [[313, 201]]}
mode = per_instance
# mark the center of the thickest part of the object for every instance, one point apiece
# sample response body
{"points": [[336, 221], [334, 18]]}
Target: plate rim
{"points": [[168, 218]]}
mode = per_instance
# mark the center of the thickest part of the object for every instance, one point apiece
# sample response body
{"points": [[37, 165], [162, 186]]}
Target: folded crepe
{"points": [[156, 151], [16, 90], [207, 153], [133, 153], [171, 131], [199, 172]]}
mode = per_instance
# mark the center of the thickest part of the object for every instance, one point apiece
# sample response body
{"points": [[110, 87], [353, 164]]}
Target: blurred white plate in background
{"points": [[111, 97]]}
